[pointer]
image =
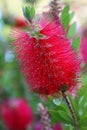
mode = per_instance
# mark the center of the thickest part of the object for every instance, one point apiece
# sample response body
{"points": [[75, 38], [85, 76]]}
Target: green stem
{"points": [[72, 111]]}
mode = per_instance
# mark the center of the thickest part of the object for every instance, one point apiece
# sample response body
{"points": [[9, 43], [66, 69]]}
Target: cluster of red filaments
{"points": [[49, 62]]}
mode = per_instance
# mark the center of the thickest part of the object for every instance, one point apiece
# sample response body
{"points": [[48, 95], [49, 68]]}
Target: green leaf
{"points": [[60, 116], [23, 10], [32, 12], [67, 127], [65, 11], [66, 21], [84, 79], [76, 43], [72, 15], [26, 11], [83, 128], [83, 121], [65, 16], [63, 107], [72, 30]]}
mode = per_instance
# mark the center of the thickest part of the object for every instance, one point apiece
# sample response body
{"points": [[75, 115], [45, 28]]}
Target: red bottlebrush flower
{"points": [[16, 114], [19, 22], [49, 62], [50, 27], [57, 127]]}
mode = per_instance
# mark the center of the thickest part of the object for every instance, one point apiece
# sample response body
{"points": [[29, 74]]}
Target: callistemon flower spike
{"points": [[44, 117], [50, 65], [47, 59]]}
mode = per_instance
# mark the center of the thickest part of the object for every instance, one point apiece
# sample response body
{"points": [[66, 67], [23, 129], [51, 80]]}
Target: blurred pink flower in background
{"points": [[16, 114], [58, 126], [83, 46], [39, 126]]}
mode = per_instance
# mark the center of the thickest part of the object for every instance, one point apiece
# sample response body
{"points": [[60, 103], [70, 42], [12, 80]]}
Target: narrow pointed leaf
{"points": [[32, 12], [83, 121], [83, 128], [65, 16], [72, 30], [60, 116], [76, 43], [72, 15]]}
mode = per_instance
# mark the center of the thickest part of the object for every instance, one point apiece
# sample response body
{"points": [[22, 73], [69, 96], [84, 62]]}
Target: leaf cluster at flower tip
{"points": [[29, 12]]}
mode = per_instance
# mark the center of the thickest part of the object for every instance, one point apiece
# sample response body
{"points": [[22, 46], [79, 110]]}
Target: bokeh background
{"points": [[12, 82]]}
